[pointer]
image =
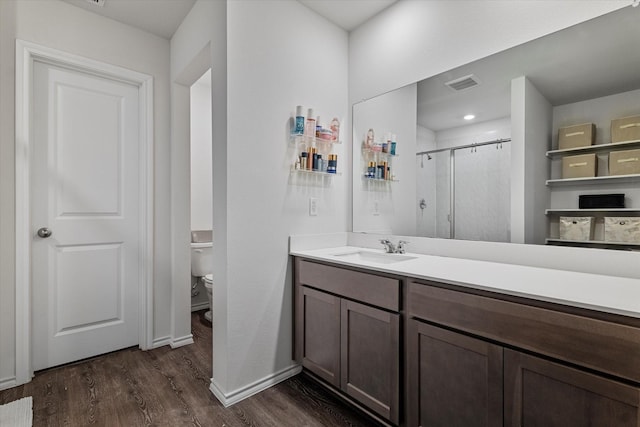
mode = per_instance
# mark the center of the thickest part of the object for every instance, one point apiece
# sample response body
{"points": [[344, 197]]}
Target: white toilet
{"points": [[202, 262]]}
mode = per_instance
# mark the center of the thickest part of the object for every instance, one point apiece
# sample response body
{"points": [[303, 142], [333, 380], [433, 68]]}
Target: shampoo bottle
{"points": [[299, 126], [310, 126]]}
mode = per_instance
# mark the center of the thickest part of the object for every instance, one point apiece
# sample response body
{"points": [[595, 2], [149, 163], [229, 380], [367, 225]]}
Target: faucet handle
{"points": [[400, 247]]}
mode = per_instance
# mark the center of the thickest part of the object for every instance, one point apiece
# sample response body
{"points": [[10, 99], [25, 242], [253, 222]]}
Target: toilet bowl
{"points": [[208, 284], [202, 262]]}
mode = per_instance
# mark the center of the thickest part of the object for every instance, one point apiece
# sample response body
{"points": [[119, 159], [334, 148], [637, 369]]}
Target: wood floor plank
{"points": [[170, 387]]}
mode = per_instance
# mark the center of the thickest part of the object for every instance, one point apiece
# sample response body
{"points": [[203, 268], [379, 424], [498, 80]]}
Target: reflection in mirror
{"points": [[519, 97], [466, 192]]}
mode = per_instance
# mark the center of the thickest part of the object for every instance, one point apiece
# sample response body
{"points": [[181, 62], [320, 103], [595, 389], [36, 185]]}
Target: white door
{"points": [[84, 190]]}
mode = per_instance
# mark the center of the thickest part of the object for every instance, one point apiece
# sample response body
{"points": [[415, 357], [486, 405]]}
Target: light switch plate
{"points": [[313, 206]]}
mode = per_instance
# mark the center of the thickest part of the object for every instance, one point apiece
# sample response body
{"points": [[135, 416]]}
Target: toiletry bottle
{"points": [[393, 144], [303, 160], [368, 143], [318, 127], [310, 127], [299, 127], [310, 158], [335, 129], [333, 163], [319, 163]]}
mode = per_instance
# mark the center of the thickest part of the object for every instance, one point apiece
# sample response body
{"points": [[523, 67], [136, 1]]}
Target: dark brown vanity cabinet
{"points": [[454, 380], [474, 360], [347, 332], [548, 394]]}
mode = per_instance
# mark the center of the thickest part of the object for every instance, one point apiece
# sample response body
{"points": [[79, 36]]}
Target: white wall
{"points": [[7, 195], [476, 132], [393, 112], [413, 40], [201, 157], [531, 118], [271, 69], [259, 74], [68, 28]]}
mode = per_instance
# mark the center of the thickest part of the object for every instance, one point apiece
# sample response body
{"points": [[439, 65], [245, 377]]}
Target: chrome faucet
{"points": [[390, 248]]}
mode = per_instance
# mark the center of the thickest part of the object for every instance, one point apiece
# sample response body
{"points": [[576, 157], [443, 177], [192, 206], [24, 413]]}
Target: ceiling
{"points": [[348, 14], [589, 60], [163, 17], [159, 17]]}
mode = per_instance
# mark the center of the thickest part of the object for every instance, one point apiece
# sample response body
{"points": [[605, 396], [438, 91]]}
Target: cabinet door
{"points": [[453, 379], [547, 394], [370, 357], [319, 334]]}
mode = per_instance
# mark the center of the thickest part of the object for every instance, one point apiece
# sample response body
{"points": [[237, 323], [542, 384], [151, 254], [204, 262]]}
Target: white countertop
{"points": [[617, 295]]}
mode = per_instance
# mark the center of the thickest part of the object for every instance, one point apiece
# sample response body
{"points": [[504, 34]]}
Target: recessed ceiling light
{"points": [[469, 117]]}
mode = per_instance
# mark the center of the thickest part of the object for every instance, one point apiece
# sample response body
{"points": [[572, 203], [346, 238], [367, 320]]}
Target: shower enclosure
{"points": [[464, 192]]}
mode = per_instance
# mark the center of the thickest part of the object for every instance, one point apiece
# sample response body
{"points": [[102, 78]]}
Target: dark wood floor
{"points": [[165, 387]]}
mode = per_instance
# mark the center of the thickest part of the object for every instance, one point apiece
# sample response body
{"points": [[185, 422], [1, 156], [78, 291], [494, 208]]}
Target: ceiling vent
{"points": [[463, 83], [96, 2]]}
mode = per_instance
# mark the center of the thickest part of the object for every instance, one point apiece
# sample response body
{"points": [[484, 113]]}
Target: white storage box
{"points": [[622, 229], [578, 228]]}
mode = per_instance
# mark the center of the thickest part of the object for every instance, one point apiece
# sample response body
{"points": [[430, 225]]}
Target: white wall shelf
{"points": [[365, 178], [378, 153], [594, 180], [312, 172], [303, 139], [568, 212], [307, 143], [598, 148], [594, 243]]}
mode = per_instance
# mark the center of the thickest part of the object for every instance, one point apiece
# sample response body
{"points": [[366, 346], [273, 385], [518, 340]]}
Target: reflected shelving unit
{"points": [[566, 191]]}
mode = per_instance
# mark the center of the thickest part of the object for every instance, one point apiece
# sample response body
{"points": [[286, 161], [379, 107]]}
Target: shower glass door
{"points": [[478, 181], [482, 196]]}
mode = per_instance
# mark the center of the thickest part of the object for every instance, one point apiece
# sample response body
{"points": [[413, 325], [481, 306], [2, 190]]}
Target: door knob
{"points": [[44, 232]]}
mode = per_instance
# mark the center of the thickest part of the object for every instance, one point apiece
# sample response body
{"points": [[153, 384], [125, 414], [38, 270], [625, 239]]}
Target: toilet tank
{"points": [[201, 252]]}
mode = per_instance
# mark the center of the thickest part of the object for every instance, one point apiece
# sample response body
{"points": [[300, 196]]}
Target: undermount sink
{"points": [[376, 257]]}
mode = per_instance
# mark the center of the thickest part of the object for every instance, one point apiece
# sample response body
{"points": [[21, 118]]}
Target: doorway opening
{"points": [[201, 189]]}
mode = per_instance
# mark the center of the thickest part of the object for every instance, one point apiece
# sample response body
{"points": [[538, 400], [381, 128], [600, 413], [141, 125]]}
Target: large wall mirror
{"points": [[486, 177]]}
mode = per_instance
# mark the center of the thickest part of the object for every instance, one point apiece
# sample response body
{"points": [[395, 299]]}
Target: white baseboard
{"points": [[6, 383], [199, 306], [179, 342], [236, 396], [161, 342]]}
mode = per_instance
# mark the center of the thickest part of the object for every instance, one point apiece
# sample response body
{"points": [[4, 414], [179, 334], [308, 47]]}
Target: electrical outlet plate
{"points": [[376, 208], [313, 206]]}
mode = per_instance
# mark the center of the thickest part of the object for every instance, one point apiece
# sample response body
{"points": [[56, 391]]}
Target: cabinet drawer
{"points": [[601, 345], [371, 289]]}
